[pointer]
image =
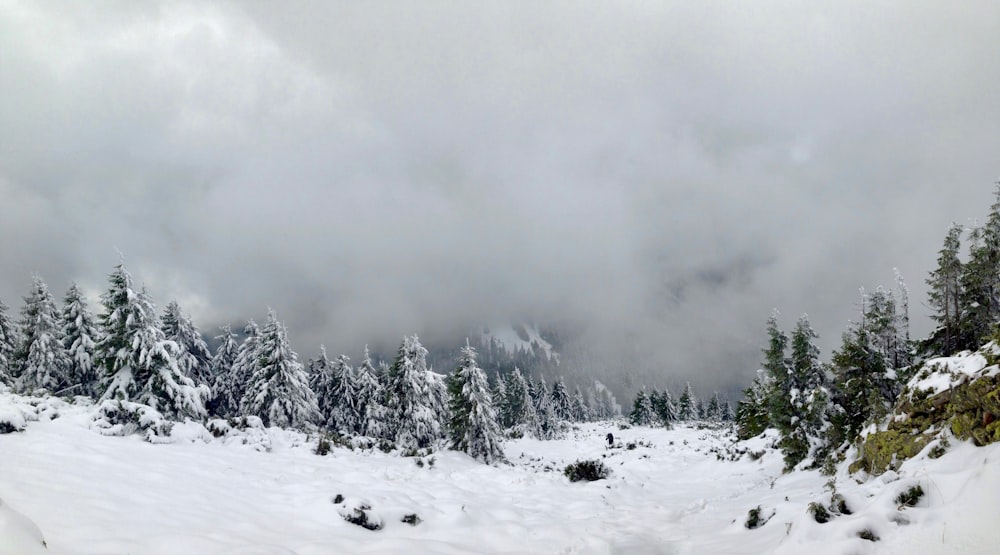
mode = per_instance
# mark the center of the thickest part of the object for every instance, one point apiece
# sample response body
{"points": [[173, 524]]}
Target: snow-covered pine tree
{"points": [[499, 394], [808, 396], [642, 410], [137, 361], [438, 388], [687, 405], [727, 412], [193, 357], [561, 402], [278, 391], [518, 412], [230, 386], [375, 418], [9, 340], [324, 383], [80, 339], [945, 295], [980, 281], [752, 412], [408, 397], [548, 420], [663, 406], [473, 424], [777, 367], [345, 414], [713, 410], [581, 412], [44, 363], [221, 367]]}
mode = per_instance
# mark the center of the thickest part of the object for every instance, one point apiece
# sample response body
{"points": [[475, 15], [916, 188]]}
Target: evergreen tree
{"points": [[408, 397], [375, 418], [561, 402], [137, 361], [44, 363], [232, 385], [808, 396], [221, 369], [980, 281], [473, 426], [663, 405], [193, 357], [776, 366], [518, 411], [727, 412], [753, 412], [581, 412], [8, 346], [547, 418], [687, 405], [278, 391], [642, 410], [324, 383], [80, 340], [945, 295], [713, 410], [438, 388], [345, 413]]}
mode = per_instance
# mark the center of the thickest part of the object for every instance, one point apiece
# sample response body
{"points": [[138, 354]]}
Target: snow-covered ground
{"points": [[88, 493]]}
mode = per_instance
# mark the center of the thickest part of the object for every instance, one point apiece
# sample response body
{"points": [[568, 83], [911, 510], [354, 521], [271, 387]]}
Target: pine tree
{"points": [[581, 412], [369, 391], [80, 340], [408, 397], [980, 281], [548, 421], [642, 410], [687, 405], [438, 388], [945, 294], [808, 396], [473, 426], [137, 361], [278, 391], [663, 406], [777, 368], [752, 412], [221, 368], [345, 414], [9, 339], [713, 411], [232, 385], [44, 363], [193, 357], [518, 411], [560, 400], [727, 412], [324, 383]]}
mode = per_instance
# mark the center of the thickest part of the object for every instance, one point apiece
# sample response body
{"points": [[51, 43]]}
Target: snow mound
{"points": [[941, 374], [19, 535]]}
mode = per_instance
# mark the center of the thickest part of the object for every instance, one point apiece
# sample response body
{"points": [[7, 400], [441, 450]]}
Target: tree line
{"points": [[143, 368]]}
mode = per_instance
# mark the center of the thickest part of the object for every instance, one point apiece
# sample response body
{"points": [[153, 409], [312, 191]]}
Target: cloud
{"points": [[660, 175]]}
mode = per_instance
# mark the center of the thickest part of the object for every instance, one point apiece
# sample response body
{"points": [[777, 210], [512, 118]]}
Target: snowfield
{"points": [[670, 493]]}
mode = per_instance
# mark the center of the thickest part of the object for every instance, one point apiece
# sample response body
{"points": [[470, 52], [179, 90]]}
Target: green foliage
{"points": [[819, 513], [590, 470], [910, 497], [867, 534]]}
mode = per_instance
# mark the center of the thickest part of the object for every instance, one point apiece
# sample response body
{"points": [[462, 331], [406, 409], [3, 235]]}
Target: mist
{"points": [[655, 176]]}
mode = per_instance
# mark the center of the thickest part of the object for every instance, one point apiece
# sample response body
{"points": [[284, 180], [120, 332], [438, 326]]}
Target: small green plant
{"points": [[867, 534], [819, 513], [756, 455], [411, 519], [323, 447], [754, 518], [910, 497], [839, 505], [338, 499], [586, 471]]}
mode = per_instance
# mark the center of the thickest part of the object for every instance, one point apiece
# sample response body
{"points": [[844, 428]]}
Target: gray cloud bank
{"points": [[659, 174]]}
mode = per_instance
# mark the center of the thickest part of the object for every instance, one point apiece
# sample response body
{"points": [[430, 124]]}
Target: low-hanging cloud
{"points": [[658, 175]]}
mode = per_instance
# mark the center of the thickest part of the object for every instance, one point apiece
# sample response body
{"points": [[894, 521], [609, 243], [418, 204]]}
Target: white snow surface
{"points": [[84, 492], [941, 374]]}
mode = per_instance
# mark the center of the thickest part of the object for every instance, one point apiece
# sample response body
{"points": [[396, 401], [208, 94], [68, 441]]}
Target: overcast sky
{"points": [[662, 174]]}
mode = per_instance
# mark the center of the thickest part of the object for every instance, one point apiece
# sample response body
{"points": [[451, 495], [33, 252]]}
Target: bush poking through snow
{"points": [[910, 497], [756, 518], [839, 505], [122, 418], [867, 534], [411, 519], [323, 447], [586, 470], [819, 513]]}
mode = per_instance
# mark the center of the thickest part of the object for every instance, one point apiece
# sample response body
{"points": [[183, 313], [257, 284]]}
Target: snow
{"points": [[668, 492], [507, 336], [941, 374]]}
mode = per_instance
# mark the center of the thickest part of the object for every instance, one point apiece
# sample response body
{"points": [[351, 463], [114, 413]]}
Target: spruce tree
{"points": [[548, 421], [345, 414], [561, 402], [808, 397], [687, 405], [945, 295], [44, 363], [518, 411], [8, 346], [777, 368], [278, 391], [713, 410], [753, 412], [220, 368], [230, 386], [642, 410], [193, 357], [581, 412], [138, 363], [324, 383], [80, 340], [980, 281], [375, 415], [663, 406], [473, 426], [408, 397]]}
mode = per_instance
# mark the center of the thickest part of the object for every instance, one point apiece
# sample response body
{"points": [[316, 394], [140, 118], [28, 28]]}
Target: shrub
{"points": [[411, 519], [910, 497], [323, 447], [586, 470], [839, 505], [819, 513], [360, 517], [867, 534], [338, 499], [755, 518]]}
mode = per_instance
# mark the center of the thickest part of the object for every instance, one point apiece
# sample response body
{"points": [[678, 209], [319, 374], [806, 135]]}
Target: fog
{"points": [[656, 176]]}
